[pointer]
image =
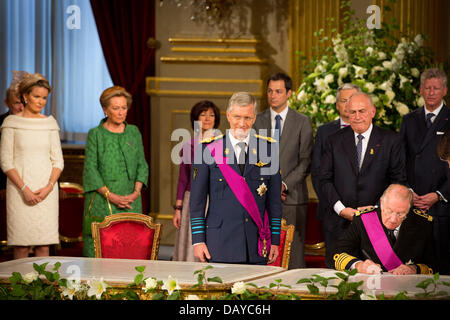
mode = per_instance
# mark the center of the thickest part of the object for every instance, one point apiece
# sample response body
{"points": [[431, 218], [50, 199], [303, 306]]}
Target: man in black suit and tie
{"points": [[426, 173], [358, 164], [344, 92], [294, 132]]}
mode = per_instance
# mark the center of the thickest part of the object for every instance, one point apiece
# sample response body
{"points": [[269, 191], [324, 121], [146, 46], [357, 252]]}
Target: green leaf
{"points": [[215, 279], [342, 275], [304, 280], [138, 279], [140, 269], [313, 289], [131, 295], [57, 266]]}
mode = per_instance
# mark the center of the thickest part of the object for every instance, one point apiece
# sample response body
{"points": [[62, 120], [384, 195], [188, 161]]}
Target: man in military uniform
{"points": [[388, 238], [243, 182]]}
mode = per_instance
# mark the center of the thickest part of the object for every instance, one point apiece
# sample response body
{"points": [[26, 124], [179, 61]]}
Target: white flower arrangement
{"points": [[388, 71], [171, 285]]}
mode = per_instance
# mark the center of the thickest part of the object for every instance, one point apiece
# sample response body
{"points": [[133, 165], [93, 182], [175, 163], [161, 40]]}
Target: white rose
{"points": [[415, 72], [403, 80], [330, 99], [370, 87], [321, 85], [343, 72], [369, 51], [401, 108], [30, 277], [375, 98], [387, 65], [385, 86], [391, 95], [239, 287], [329, 78], [359, 71], [302, 96], [381, 55], [314, 108], [420, 101], [150, 284], [418, 40]]}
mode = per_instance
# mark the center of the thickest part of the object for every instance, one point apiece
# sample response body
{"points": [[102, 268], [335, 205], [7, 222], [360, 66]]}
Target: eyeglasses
{"points": [[399, 215]]}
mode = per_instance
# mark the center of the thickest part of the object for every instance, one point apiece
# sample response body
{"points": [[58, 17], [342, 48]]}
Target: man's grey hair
{"points": [[433, 73], [398, 191], [347, 86], [356, 94], [242, 99]]}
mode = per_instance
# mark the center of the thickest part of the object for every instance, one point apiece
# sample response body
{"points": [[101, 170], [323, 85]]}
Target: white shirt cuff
{"points": [[443, 198], [285, 185], [198, 243], [338, 207]]}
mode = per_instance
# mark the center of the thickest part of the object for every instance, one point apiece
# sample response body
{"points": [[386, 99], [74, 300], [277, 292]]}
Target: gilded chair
{"points": [[284, 250], [71, 205], [314, 239], [126, 236]]}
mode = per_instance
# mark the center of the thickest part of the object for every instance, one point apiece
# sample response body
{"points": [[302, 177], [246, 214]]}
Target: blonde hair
{"points": [[115, 91], [30, 81]]}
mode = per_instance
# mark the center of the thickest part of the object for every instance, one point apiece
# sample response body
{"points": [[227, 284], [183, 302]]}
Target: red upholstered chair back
{"points": [[284, 250], [126, 236], [71, 205]]}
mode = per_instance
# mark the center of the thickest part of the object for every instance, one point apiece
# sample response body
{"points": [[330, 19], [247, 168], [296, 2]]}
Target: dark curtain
{"points": [[124, 27]]}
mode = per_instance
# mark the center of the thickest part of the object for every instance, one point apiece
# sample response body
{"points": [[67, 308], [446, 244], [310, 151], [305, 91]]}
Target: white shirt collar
{"points": [[343, 123], [365, 134], [282, 114], [436, 111], [235, 141]]}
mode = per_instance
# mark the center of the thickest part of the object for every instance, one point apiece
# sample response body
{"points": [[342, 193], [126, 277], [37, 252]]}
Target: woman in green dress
{"points": [[115, 169]]}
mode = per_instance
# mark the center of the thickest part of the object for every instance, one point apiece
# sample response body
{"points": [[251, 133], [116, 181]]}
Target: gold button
{"points": [[246, 219], [220, 179]]}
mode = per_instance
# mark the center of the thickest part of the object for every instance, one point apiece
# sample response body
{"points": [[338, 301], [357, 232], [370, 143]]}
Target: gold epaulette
{"points": [[424, 269], [423, 214], [265, 138], [357, 213], [211, 139], [341, 260]]}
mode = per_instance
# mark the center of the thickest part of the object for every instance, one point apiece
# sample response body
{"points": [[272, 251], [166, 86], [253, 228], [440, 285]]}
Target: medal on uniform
{"points": [[262, 189]]}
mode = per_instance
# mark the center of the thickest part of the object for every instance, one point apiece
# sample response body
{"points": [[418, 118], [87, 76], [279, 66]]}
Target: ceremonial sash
{"points": [[244, 195], [379, 241]]}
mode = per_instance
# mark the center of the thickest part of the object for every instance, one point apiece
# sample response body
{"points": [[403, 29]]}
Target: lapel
{"points": [[439, 124], [373, 147], [349, 146], [289, 125]]}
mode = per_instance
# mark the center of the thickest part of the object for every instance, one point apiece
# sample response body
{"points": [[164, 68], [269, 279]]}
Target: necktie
{"points": [[241, 159], [344, 126], [391, 237], [359, 149], [277, 127], [429, 117]]}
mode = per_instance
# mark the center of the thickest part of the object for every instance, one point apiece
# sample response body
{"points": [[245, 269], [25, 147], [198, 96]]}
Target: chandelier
{"points": [[212, 12]]}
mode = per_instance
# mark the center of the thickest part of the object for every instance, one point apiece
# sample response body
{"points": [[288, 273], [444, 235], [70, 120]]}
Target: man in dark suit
{"points": [[399, 233], [243, 182], [426, 173], [344, 92], [358, 164], [294, 132]]}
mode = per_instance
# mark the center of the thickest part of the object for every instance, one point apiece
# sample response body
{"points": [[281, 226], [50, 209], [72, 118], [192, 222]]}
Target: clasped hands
{"points": [[123, 202], [370, 267], [34, 197]]}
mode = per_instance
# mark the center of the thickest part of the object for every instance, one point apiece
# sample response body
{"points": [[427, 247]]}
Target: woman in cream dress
{"points": [[31, 157]]}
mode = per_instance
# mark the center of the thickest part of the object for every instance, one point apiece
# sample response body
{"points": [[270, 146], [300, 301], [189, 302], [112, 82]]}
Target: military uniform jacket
{"points": [[413, 244], [228, 230]]}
